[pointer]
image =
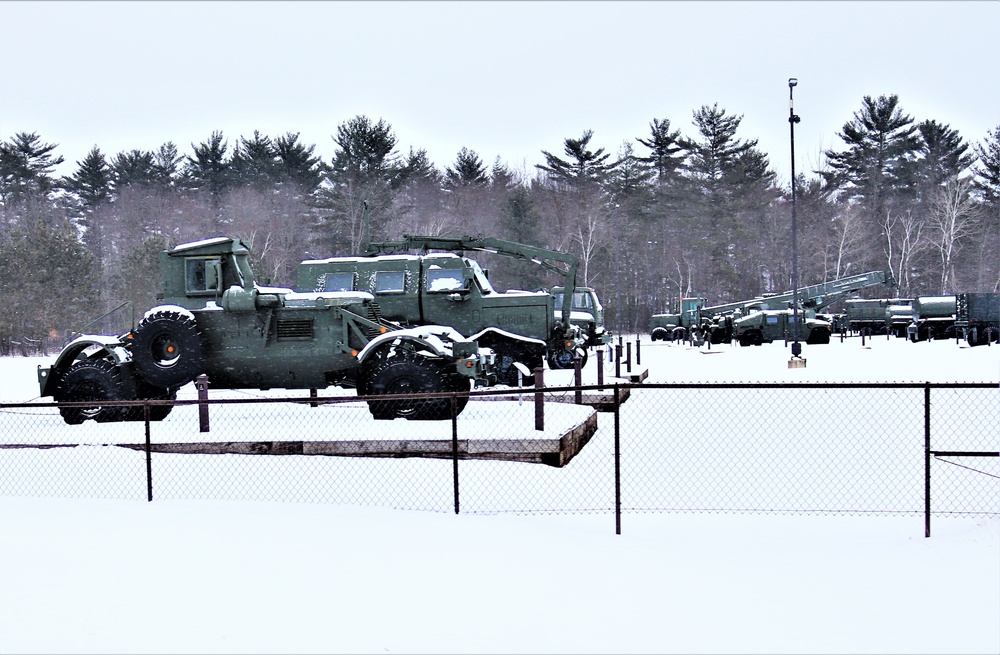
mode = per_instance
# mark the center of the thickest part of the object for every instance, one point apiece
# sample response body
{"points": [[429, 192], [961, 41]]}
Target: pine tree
{"points": [[208, 170], [987, 185], [729, 186], [584, 168], [49, 278], [987, 169], [468, 171], [167, 165], [364, 170], [297, 163], [134, 168], [91, 182], [26, 167], [667, 153], [254, 162], [91, 185], [880, 140]]}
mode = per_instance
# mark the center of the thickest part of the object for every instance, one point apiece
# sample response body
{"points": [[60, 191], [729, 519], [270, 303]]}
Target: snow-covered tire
{"points": [[659, 334], [408, 373], [94, 380], [166, 349]]}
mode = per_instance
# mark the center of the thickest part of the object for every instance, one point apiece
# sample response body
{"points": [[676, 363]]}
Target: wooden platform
{"points": [[555, 452], [602, 401]]}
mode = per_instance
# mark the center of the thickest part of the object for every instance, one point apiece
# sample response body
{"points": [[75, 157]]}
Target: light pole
{"points": [[796, 361]]}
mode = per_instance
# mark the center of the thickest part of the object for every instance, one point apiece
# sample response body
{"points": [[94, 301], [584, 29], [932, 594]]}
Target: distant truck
{"points": [[523, 328], [974, 317], [214, 319], [769, 325], [587, 312], [879, 315], [716, 323]]}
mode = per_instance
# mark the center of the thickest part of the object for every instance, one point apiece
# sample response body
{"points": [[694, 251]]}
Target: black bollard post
{"points": [[600, 369], [201, 384], [539, 399], [578, 381]]}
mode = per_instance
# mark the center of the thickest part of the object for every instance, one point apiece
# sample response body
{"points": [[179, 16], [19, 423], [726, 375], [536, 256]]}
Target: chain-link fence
{"points": [[874, 449]]}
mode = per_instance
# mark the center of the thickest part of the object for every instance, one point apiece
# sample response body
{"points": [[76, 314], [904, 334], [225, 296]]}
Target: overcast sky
{"points": [[506, 79]]}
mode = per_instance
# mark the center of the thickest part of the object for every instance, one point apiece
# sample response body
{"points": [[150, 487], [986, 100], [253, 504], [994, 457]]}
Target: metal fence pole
{"points": [[149, 455], [454, 446], [578, 381], [618, 463], [539, 399], [600, 369], [927, 460]]}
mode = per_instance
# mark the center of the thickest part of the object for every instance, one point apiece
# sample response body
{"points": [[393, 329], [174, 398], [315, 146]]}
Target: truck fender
{"points": [[84, 346], [492, 334], [433, 338]]}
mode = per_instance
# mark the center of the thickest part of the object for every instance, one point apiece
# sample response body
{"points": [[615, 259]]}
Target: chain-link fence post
{"points": [[454, 447], [149, 454], [539, 399]]}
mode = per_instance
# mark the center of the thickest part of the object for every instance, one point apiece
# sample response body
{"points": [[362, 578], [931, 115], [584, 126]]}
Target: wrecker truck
{"points": [[523, 328]]}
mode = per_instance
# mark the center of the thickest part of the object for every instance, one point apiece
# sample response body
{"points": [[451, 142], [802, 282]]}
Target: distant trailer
{"points": [[977, 317]]}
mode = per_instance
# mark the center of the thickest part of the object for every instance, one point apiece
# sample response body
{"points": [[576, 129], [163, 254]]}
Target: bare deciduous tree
{"points": [[953, 216]]}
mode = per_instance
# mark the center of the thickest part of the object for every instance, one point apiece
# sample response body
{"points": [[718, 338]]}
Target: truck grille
{"points": [[374, 315], [295, 329]]}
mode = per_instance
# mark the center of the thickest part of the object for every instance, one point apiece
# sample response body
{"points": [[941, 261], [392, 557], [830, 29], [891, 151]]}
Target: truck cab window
{"points": [[390, 282], [202, 276], [340, 281], [445, 280]]}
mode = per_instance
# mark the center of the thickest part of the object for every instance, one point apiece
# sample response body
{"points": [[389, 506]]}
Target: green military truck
{"points": [[768, 325], [716, 323], [523, 328], [587, 312], [215, 320]]}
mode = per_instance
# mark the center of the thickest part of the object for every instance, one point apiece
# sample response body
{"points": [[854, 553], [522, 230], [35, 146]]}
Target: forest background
{"points": [[679, 211]]}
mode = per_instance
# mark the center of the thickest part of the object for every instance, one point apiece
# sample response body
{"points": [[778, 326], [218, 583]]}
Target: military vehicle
{"points": [[974, 317], [879, 315], [768, 325], [933, 317], [586, 312], [977, 316], [716, 322], [214, 319], [523, 328]]}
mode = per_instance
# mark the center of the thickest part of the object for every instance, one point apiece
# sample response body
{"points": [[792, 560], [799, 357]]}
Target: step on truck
{"points": [[214, 319], [523, 328]]}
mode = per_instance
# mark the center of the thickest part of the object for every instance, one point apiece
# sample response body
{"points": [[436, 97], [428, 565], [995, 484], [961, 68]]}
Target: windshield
{"points": [[581, 300]]}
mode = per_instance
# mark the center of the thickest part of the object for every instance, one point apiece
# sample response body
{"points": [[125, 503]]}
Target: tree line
{"points": [[672, 213]]}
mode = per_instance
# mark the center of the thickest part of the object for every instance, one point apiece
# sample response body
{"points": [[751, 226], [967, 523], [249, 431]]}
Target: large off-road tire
{"points": [[659, 334], [818, 336], [166, 349], [564, 357], [146, 391], [408, 373], [94, 380], [751, 338]]}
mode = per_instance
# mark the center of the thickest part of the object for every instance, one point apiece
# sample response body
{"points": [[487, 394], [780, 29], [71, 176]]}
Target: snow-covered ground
{"points": [[85, 575]]}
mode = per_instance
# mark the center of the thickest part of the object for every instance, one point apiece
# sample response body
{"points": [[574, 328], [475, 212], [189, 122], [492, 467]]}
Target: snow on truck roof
{"points": [[199, 244]]}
